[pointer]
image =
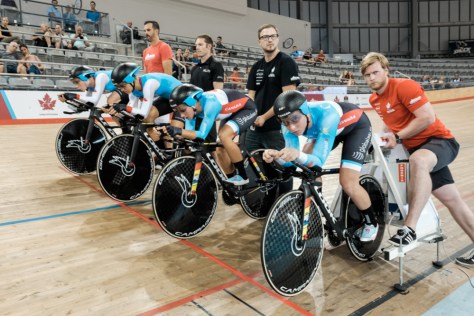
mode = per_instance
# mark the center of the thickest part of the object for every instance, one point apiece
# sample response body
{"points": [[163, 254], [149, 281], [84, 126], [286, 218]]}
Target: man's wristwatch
{"points": [[399, 140]]}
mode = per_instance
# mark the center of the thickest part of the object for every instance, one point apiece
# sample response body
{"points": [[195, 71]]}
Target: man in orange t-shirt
{"points": [[408, 114], [158, 57]]}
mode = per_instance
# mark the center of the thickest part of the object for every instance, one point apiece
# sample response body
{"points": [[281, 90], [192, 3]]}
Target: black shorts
{"points": [[241, 120], [356, 139], [446, 150]]}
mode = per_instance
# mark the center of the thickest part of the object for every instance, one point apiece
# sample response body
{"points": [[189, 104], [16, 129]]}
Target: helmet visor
{"points": [[292, 118]]}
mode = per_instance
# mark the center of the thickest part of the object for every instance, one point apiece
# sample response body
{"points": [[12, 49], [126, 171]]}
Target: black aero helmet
{"points": [[288, 102], [187, 94], [125, 72], [81, 72]]}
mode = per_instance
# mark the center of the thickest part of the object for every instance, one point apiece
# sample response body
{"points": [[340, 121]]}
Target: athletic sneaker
{"points": [[406, 234], [237, 180], [367, 232], [466, 261]]}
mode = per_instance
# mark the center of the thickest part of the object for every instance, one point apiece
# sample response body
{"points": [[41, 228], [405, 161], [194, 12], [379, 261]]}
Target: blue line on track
{"points": [[71, 213]]}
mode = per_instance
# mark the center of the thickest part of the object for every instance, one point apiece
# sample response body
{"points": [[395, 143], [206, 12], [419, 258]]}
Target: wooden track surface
{"points": [[69, 249]]}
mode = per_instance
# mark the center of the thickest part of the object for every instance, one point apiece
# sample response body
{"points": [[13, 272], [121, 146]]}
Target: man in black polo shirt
{"points": [[208, 74], [274, 73]]}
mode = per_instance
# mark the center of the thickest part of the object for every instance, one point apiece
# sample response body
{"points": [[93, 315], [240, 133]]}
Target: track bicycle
{"points": [[126, 163], [80, 140], [185, 193], [292, 241]]}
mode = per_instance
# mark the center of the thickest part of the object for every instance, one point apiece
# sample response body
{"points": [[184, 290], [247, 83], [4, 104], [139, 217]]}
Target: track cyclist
{"points": [[148, 94], [93, 85], [326, 124], [236, 111]]}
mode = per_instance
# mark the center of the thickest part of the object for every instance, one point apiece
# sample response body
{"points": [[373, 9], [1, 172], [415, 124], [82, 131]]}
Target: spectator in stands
{"points": [[178, 69], [43, 37], [456, 78], [321, 58], [54, 12], [79, 40], [93, 15], [308, 54], [350, 78], [187, 57], [236, 78], [12, 54], [269, 77], [295, 53], [58, 38], [31, 63], [6, 36], [158, 57], [220, 48], [426, 82], [126, 33], [9, 3], [70, 20], [344, 77], [439, 83]]}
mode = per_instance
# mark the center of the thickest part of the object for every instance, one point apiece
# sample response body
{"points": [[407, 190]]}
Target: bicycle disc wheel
{"points": [[256, 204], [73, 153], [180, 214], [120, 180], [364, 251], [290, 263]]}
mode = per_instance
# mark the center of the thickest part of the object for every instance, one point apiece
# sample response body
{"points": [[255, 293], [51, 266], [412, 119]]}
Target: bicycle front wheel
{"points": [[257, 203], [179, 213], [289, 262], [118, 177], [364, 251], [74, 152]]}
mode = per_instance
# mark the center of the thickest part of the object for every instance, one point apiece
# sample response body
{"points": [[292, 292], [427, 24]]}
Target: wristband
{"points": [[399, 140]]}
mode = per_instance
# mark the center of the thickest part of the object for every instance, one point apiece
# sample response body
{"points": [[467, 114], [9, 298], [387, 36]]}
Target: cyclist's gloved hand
{"points": [[120, 107], [70, 96], [173, 130]]}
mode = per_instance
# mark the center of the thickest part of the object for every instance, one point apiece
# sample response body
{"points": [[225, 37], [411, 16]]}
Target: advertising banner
{"points": [[461, 47], [28, 105]]}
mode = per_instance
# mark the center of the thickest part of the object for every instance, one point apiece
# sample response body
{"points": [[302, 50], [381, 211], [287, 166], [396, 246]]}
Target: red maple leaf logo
{"points": [[47, 103]]}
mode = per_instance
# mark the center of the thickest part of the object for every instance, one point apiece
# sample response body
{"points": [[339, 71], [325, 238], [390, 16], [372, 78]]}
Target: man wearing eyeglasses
{"points": [[269, 77]]}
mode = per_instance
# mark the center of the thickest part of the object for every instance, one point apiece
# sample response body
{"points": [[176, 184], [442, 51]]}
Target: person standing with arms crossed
{"points": [[158, 57], [408, 114], [269, 77]]}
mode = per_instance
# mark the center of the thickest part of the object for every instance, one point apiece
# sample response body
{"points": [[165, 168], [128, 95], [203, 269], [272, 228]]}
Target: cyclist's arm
{"points": [[291, 142], [100, 82], [211, 108], [148, 95], [113, 98], [323, 142]]}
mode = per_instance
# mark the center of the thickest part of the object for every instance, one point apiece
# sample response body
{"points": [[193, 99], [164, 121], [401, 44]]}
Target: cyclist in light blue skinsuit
{"points": [[326, 124], [149, 94], [236, 111]]}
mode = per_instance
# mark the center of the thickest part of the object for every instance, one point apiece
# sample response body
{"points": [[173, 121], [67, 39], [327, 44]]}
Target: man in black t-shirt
{"points": [[274, 73]]}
